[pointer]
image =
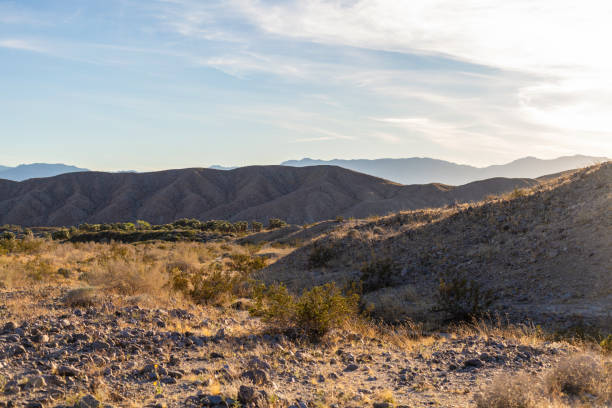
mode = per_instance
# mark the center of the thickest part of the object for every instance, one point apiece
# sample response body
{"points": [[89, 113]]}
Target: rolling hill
{"points": [[418, 170], [297, 195], [545, 255]]}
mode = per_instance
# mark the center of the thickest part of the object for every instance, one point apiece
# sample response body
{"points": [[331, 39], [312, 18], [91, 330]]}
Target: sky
{"points": [[155, 84]]}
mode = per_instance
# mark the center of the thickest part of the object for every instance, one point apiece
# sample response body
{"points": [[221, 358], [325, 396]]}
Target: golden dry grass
{"points": [[579, 380]]}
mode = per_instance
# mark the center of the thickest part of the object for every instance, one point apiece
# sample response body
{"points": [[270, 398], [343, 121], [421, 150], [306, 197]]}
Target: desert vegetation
{"points": [[383, 312]]}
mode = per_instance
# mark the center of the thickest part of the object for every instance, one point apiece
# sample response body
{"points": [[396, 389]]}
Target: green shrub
{"points": [[60, 235], [315, 312], [377, 275], [247, 263], [517, 193], [187, 223], [274, 304], [320, 255], [180, 281], [38, 269], [241, 226], [142, 225], [274, 223], [7, 235], [606, 344], [256, 226], [462, 299], [323, 308], [213, 287]]}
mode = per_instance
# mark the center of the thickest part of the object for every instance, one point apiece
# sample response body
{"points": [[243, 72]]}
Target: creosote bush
{"points": [[315, 312], [214, 287], [246, 264], [462, 299], [377, 274], [10, 245], [274, 223], [606, 344], [321, 254]]}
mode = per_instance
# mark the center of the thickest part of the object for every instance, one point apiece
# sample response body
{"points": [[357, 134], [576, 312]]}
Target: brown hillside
{"points": [[298, 195], [546, 255]]}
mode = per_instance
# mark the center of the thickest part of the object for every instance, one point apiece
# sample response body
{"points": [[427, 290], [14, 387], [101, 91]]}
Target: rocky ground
{"points": [[158, 324], [123, 355]]}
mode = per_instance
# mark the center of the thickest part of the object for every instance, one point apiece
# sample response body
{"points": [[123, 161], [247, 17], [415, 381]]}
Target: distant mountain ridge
{"points": [[417, 170], [296, 194], [36, 170]]}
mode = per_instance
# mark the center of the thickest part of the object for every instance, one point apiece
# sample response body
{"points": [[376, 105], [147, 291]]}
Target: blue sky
{"points": [[146, 85]]}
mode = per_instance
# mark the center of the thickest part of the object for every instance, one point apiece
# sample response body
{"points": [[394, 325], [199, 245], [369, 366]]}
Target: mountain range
{"points": [[418, 170], [296, 194], [36, 170], [413, 170]]}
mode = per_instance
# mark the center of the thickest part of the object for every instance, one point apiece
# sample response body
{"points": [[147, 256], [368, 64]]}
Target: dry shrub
{"points": [[578, 380], [39, 269], [510, 392], [180, 266], [81, 297], [393, 304], [581, 375], [128, 278]]}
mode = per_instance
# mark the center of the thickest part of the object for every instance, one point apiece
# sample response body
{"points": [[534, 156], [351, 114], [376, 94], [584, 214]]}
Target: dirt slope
{"points": [[298, 195], [546, 255]]}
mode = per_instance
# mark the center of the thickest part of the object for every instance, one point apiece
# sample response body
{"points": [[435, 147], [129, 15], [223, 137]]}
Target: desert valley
{"points": [[305, 204], [492, 294]]}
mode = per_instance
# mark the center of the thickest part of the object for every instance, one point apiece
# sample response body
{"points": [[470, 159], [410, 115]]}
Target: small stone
{"points": [[67, 371], [256, 376], [36, 382], [351, 367], [473, 362], [9, 327], [246, 394], [11, 387], [99, 345], [19, 350], [88, 401], [212, 400]]}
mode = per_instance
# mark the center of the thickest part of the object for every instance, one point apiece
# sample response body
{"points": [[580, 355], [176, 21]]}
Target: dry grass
{"points": [[582, 375], [497, 327], [578, 380], [81, 297]]}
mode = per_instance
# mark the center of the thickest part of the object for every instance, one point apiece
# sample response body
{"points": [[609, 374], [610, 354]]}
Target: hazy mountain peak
{"points": [[422, 170], [36, 170]]}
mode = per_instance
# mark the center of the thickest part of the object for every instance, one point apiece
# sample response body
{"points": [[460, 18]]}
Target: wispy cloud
{"points": [[21, 44], [486, 80], [563, 42]]}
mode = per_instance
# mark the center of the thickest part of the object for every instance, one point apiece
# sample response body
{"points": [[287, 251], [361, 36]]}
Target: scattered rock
{"points": [[256, 376]]}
